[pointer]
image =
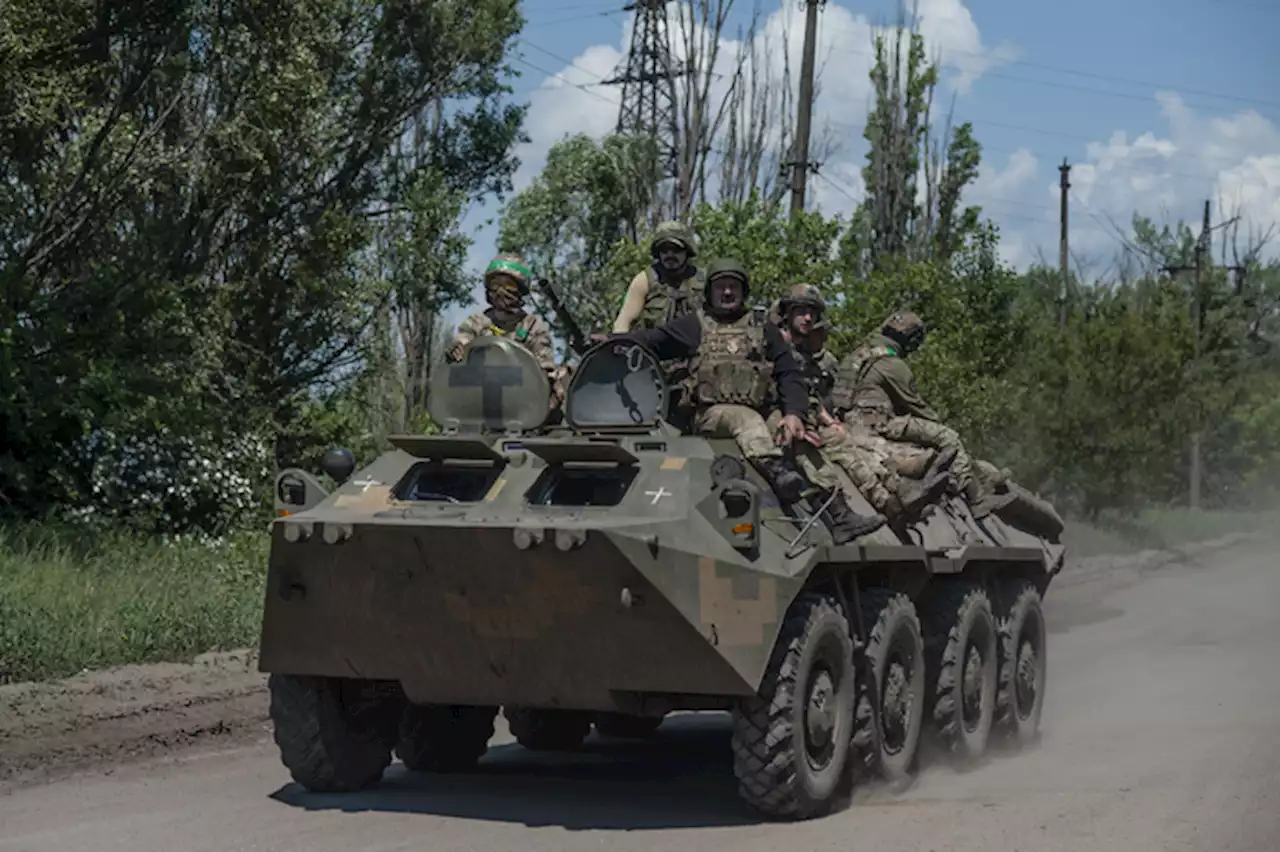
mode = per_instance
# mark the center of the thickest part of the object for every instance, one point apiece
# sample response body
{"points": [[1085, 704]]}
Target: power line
{"points": [[581, 86]]}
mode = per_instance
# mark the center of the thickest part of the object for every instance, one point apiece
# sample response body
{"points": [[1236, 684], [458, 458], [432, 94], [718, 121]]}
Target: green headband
{"points": [[507, 266]]}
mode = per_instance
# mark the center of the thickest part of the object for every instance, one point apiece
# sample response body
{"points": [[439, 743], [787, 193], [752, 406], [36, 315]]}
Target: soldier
{"points": [[506, 286], [876, 389], [667, 289], [801, 312], [734, 359]]}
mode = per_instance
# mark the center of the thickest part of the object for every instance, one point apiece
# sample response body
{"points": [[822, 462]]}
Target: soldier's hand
{"points": [[597, 337], [791, 429], [455, 351], [813, 438]]}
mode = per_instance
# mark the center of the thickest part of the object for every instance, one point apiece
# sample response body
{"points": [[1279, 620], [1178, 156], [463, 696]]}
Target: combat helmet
{"points": [[673, 232], [801, 295], [906, 328], [512, 266], [722, 267]]}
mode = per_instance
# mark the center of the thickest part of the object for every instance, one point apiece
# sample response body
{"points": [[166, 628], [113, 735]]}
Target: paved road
{"points": [[1161, 732]]}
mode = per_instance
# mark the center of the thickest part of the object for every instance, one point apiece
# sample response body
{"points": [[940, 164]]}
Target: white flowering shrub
{"points": [[201, 485]]}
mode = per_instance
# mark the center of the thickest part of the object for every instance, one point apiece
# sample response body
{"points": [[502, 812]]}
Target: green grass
{"points": [[73, 600]]}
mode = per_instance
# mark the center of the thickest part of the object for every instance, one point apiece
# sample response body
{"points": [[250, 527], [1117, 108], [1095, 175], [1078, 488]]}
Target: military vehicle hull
{"points": [[622, 571]]}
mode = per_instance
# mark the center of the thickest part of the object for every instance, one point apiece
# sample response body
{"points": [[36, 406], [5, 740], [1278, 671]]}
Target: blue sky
{"points": [[1157, 104]]}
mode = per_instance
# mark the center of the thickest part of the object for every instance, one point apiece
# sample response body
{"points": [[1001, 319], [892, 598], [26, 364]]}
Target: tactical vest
{"points": [[520, 334], [663, 303], [819, 375], [730, 365], [853, 390]]}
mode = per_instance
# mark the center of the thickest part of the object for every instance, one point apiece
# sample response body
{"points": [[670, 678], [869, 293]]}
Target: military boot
{"points": [[982, 502], [784, 479], [844, 523], [915, 494]]}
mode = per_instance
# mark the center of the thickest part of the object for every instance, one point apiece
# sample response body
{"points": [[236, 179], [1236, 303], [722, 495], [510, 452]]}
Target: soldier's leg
{"points": [[886, 490], [931, 433], [844, 523], [748, 429]]}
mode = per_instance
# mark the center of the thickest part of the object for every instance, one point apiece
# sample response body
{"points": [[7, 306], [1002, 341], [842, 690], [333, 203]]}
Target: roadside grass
{"points": [[71, 599]]}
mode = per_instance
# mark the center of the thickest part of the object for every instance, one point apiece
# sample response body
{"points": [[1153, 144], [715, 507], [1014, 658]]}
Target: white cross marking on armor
{"points": [[658, 495], [367, 483]]}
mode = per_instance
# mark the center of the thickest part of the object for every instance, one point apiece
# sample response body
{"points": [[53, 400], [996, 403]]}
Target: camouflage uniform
{"points": [[506, 316], [657, 296], [863, 460], [733, 362], [877, 390]]}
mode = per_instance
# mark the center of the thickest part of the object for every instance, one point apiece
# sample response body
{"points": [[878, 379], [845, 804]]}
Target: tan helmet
{"points": [[802, 295], [673, 232], [906, 328]]}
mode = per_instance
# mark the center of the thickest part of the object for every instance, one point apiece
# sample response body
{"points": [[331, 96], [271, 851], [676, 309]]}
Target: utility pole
{"points": [[1063, 264], [1202, 250], [800, 156]]}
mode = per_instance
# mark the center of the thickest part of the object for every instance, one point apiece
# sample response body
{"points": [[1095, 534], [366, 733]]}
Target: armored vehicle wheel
{"points": [[886, 735], [442, 738], [791, 742], [547, 730], [334, 735], [961, 644], [1023, 666], [625, 726]]}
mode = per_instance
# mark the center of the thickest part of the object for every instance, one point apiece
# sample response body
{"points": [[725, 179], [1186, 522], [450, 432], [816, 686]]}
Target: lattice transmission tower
{"points": [[648, 78]]}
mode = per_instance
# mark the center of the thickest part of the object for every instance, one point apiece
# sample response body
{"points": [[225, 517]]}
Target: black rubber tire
{"points": [[444, 738], [770, 736], [548, 730], [1017, 714], [334, 735], [892, 624], [624, 726], [959, 620]]}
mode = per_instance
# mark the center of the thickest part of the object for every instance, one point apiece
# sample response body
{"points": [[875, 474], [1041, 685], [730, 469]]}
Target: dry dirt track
{"points": [[1161, 732]]}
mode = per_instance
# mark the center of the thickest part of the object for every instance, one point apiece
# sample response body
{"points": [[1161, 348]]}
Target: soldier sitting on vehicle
{"points": [[876, 390], [801, 315], [506, 286], [668, 288], [733, 361]]}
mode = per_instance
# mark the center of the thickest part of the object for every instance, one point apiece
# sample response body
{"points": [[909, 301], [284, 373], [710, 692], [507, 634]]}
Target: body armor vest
{"points": [[663, 303], [730, 365], [853, 390]]}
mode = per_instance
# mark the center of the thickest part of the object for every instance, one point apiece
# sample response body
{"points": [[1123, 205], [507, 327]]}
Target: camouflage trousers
{"points": [[745, 425], [917, 430], [864, 466]]}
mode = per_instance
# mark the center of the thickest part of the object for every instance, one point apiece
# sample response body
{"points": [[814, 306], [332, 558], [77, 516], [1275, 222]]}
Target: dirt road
{"points": [[1161, 732]]}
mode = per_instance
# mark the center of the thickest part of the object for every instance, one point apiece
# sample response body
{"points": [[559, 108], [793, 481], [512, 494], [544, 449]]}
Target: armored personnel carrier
{"points": [[592, 566]]}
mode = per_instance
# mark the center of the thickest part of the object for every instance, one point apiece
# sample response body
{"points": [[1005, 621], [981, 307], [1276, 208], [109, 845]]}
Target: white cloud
{"points": [[1234, 161]]}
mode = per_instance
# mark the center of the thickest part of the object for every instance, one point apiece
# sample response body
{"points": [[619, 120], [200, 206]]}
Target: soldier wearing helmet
{"points": [[877, 390], [734, 361], [868, 466], [506, 286], [668, 288]]}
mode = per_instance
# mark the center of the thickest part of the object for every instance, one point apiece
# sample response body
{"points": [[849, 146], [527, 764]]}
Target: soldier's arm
{"points": [[900, 384], [467, 331], [633, 304], [787, 372], [540, 344], [679, 338]]}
